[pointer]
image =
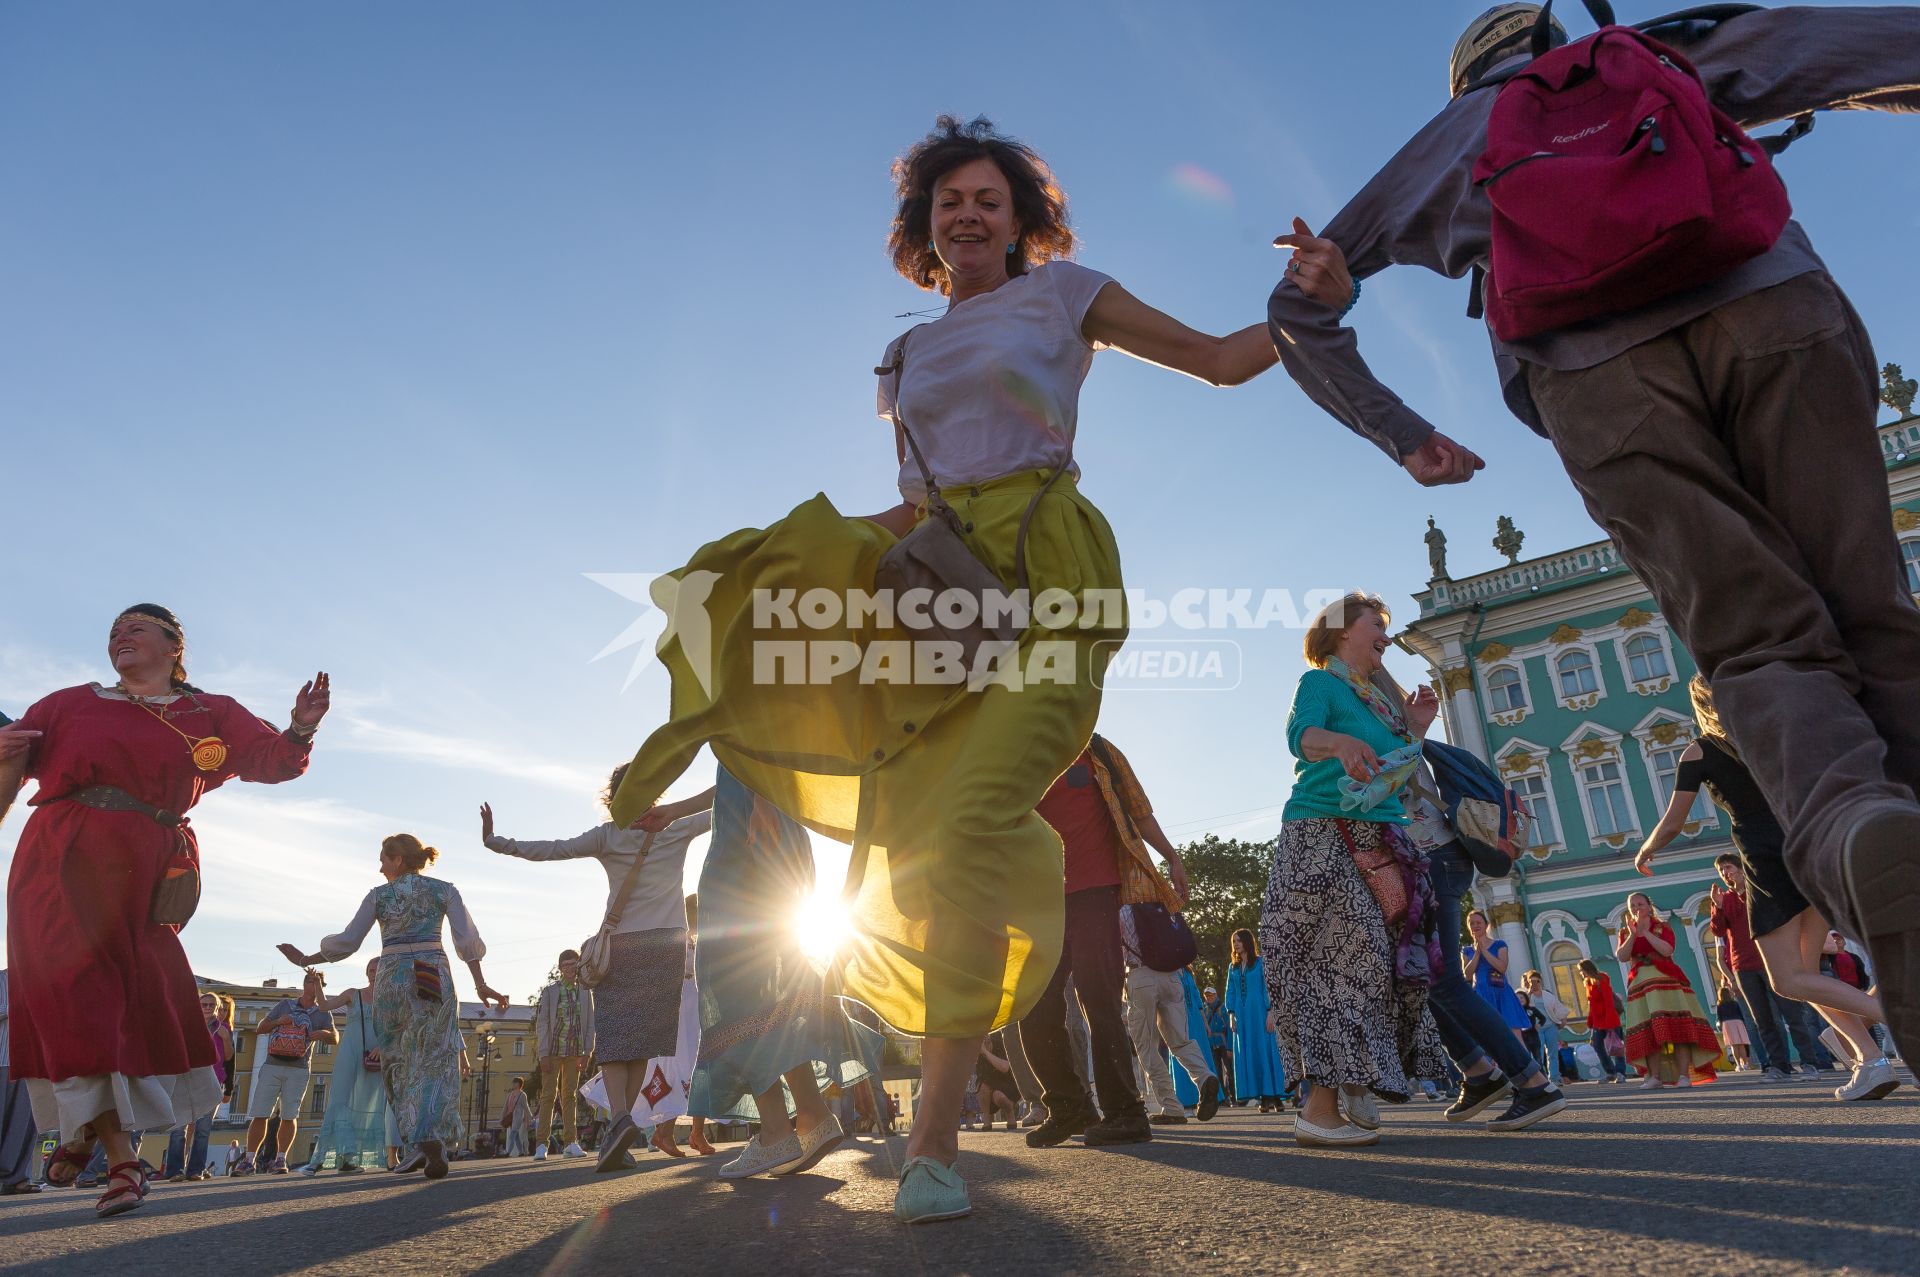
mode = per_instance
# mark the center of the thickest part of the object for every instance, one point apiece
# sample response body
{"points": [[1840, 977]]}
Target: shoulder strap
{"points": [[628, 883], [898, 364]]}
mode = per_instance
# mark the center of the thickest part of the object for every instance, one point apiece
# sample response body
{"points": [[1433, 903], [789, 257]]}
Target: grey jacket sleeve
{"points": [[543, 1023], [1422, 209], [1773, 64]]}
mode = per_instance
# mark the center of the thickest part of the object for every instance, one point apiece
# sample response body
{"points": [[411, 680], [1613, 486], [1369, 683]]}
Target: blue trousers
{"points": [[177, 1148], [1470, 1029]]}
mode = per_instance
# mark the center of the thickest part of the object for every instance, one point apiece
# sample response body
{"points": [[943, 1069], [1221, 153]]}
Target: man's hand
{"points": [[1441, 461], [1317, 268], [1177, 871]]}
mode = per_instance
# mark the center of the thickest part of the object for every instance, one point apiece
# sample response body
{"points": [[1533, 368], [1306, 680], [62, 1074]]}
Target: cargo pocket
{"points": [[1804, 311], [1592, 415]]}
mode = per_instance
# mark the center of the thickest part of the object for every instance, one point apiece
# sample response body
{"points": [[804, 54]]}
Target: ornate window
{"points": [[1506, 690], [1577, 675], [1664, 763], [1541, 831], [1563, 973], [1910, 555], [1646, 658], [1609, 812]]}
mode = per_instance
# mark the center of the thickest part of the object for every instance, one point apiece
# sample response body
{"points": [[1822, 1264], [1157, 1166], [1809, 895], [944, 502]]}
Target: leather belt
{"points": [[111, 798]]}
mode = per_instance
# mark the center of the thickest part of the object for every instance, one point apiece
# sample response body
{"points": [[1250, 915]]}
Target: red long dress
{"points": [[99, 988]]}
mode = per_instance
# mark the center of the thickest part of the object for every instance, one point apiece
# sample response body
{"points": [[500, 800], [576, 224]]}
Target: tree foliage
{"points": [[1226, 881]]}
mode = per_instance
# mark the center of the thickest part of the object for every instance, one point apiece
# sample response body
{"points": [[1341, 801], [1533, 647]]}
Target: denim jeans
{"points": [[1550, 1050], [177, 1148], [1470, 1029], [1767, 1011]]}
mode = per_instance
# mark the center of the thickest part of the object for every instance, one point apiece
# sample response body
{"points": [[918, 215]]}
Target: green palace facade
{"points": [[1561, 672]]}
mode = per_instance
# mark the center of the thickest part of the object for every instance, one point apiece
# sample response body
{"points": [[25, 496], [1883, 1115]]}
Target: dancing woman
{"points": [[1603, 1021], [954, 883], [106, 1027], [416, 1015], [1348, 977], [636, 1006], [1668, 1036], [1789, 932]]}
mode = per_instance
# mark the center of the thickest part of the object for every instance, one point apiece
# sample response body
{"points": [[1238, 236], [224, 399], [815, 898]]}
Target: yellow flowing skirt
{"points": [[955, 886]]}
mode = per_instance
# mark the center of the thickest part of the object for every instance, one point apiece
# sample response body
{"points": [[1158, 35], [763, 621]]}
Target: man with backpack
{"points": [[1105, 823], [1658, 317]]}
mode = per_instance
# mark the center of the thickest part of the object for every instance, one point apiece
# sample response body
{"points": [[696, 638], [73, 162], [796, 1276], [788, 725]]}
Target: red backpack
{"points": [[1614, 182]]}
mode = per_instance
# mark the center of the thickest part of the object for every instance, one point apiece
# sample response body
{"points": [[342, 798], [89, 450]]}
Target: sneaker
{"points": [[1777, 1074], [1529, 1107], [1476, 1096], [540, 1154], [1872, 1080], [1881, 869], [242, 1167], [1209, 1100], [759, 1159], [178, 1177], [929, 1192], [1362, 1110], [349, 1168], [818, 1142], [1062, 1124], [1168, 1119], [573, 1150], [1132, 1129], [1346, 1135], [308, 1171], [436, 1154], [279, 1166], [613, 1149]]}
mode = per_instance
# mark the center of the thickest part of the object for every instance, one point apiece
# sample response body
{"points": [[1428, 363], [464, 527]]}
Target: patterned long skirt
{"points": [[1667, 1033], [1342, 1018], [636, 1009], [419, 1049]]}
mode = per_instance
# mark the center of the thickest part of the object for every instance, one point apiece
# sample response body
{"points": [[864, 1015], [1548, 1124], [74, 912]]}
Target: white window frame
{"points": [[1910, 561], [1657, 649], [1560, 672], [1613, 751], [1541, 765], [1578, 702], [1520, 680], [1590, 788]]}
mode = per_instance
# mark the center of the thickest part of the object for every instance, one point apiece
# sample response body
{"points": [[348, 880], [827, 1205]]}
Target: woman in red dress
{"points": [[106, 1024], [1668, 1037]]}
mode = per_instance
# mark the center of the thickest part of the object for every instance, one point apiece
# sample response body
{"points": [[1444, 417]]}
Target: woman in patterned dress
{"points": [[1349, 991], [416, 1015], [1668, 1036], [106, 1024]]}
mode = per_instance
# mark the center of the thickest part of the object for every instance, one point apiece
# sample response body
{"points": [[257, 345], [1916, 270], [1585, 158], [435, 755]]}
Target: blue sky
{"points": [[360, 334]]}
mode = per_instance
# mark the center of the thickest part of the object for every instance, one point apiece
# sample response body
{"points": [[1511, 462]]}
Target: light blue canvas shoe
{"points": [[929, 1191]]}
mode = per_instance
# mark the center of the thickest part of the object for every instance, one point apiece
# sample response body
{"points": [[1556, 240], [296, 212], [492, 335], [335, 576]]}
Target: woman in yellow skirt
{"points": [[955, 886]]}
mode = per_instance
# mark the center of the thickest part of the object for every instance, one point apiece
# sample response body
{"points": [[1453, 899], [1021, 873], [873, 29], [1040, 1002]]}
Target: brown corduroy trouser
{"points": [[1734, 462]]}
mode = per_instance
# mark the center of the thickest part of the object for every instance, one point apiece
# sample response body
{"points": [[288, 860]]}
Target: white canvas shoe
{"points": [[1345, 1135], [759, 1159]]}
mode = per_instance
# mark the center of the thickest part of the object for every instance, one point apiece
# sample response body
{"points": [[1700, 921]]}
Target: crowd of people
{"points": [[1007, 899]]}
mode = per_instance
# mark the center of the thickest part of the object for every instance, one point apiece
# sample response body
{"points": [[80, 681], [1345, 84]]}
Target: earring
{"points": [[930, 247], [1011, 248]]}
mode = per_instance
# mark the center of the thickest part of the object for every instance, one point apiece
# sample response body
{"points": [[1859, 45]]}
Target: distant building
{"points": [[1561, 672]]}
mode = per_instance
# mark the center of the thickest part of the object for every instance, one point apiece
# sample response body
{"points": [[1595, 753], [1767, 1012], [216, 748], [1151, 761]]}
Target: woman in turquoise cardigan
{"points": [[1257, 1070], [1348, 982]]}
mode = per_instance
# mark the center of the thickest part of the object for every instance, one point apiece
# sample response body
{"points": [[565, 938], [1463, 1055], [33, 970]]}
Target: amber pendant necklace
{"points": [[209, 753]]}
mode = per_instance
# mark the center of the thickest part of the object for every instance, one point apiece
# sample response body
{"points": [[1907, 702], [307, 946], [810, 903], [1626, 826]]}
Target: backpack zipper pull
{"points": [[1746, 161], [1651, 125]]}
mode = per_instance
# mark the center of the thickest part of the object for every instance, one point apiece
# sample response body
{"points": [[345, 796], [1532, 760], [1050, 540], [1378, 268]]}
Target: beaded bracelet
{"points": [[1351, 301]]}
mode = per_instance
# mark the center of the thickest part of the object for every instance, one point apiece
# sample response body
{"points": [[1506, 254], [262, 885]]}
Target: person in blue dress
{"points": [[1184, 1086], [353, 1133], [1485, 961], [1256, 1055]]}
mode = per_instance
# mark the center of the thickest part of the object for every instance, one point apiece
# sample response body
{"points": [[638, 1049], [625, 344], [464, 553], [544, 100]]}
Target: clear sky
{"points": [[361, 334]]}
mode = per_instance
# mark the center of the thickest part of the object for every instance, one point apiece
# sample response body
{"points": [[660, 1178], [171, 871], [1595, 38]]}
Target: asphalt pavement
{"points": [[1744, 1177]]}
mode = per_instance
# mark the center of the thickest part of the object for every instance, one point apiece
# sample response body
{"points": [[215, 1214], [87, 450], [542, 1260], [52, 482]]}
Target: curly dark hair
{"points": [[1039, 205]]}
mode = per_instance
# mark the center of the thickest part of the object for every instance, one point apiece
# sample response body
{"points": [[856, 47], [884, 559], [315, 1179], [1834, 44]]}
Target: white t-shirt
{"points": [[992, 387]]}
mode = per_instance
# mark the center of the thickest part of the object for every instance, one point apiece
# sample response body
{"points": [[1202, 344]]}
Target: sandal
{"points": [[128, 1188], [70, 1159]]}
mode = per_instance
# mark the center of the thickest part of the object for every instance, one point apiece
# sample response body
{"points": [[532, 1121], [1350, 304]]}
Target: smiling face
{"points": [[1477, 925], [1732, 874], [1365, 642], [140, 648], [973, 221], [209, 1005], [569, 969], [1640, 907]]}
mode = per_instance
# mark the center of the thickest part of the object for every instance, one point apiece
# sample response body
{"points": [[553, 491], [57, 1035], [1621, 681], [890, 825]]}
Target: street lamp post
{"points": [[486, 1075]]}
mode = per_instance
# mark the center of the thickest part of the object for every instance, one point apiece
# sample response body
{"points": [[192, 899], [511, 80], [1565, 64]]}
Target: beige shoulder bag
{"points": [[596, 955]]}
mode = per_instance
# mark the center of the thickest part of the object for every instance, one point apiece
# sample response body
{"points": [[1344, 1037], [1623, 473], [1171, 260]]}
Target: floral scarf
{"points": [[1397, 766]]}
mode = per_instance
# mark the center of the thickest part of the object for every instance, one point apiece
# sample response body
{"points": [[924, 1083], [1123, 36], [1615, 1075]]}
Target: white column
{"points": [[1509, 921]]}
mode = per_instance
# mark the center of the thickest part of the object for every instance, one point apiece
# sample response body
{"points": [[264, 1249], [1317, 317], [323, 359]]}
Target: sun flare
{"points": [[822, 925]]}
